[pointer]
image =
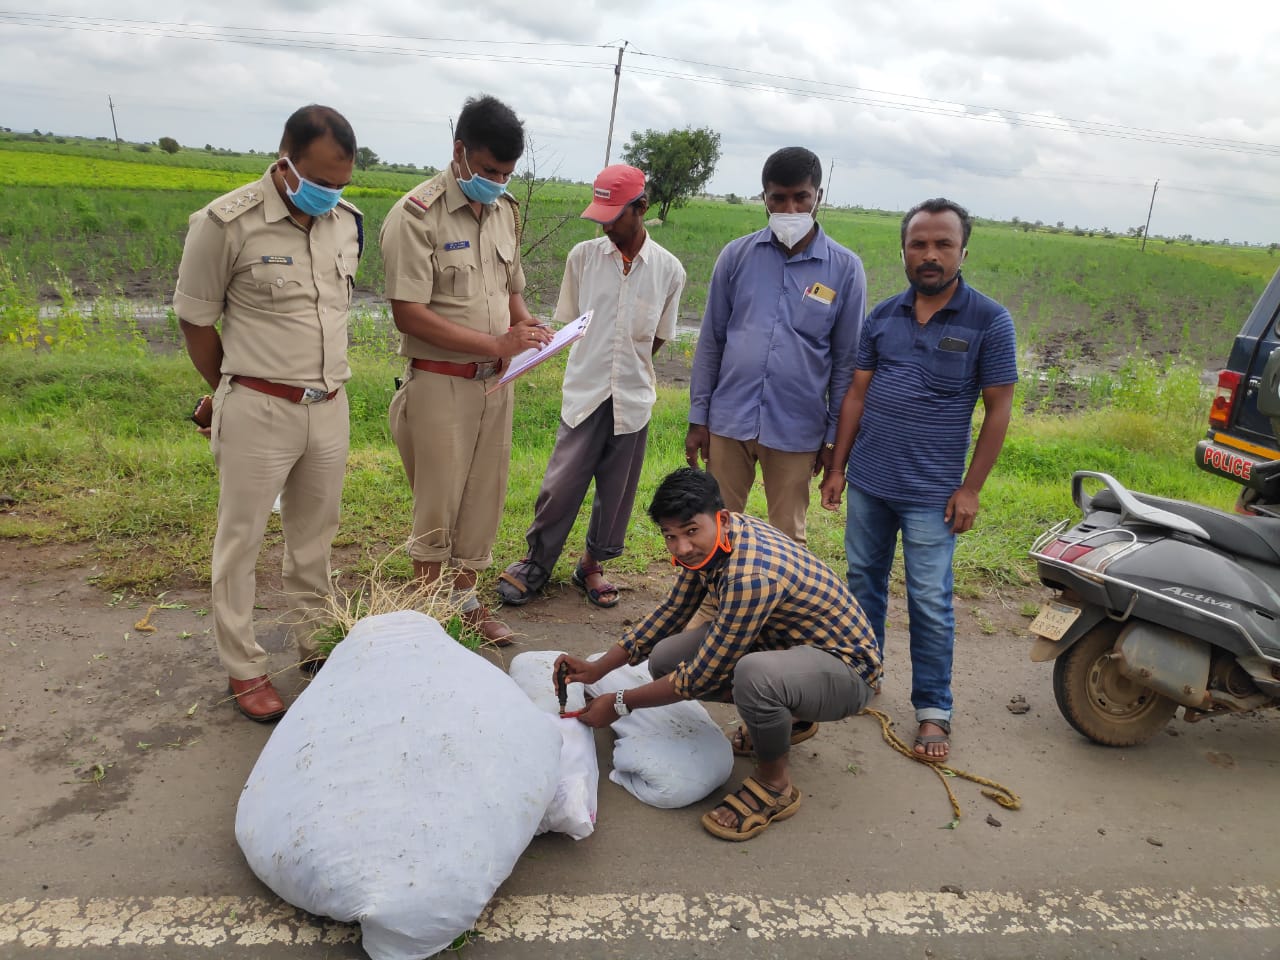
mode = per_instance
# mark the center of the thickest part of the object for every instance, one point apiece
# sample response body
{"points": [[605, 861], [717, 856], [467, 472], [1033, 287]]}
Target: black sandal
{"points": [[521, 582], [580, 574], [925, 739]]}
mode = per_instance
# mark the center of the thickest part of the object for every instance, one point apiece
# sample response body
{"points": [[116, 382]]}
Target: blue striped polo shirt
{"points": [[917, 418]]}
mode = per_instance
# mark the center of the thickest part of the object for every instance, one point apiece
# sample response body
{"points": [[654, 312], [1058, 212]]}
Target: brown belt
{"points": [[467, 371], [285, 392]]}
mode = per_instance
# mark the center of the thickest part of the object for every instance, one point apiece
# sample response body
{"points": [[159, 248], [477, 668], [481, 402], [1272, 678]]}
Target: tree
{"points": [[678, 163], [168, 145], [366, 158]]}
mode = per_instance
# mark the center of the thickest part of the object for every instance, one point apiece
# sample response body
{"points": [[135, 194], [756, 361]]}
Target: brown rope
{"points": [[998, 792]]}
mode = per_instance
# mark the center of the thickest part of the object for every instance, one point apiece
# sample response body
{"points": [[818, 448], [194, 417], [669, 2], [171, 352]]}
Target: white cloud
{"points": [[1177, 68]]}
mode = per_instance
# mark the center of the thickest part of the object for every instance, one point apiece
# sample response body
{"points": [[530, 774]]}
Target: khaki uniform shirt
{"points": [[436, 252], [283, 292]]}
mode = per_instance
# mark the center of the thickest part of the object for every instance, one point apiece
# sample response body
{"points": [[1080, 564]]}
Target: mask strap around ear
{"points": [[722, 543]]}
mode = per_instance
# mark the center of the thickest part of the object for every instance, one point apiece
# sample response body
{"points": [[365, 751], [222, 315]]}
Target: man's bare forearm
{"points": [[204, 347]]}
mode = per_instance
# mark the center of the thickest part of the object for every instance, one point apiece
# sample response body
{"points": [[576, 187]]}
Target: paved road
{"points": [[116, 841]]}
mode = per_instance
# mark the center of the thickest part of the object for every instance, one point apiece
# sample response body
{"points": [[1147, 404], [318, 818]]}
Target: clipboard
{"points": [[523, 362]]}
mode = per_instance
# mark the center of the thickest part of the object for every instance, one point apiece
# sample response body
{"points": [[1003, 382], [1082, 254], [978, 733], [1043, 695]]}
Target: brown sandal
{"points": [[772, 806]]}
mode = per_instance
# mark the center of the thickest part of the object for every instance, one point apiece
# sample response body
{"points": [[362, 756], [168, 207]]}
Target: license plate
{"points": [[1054, 619]]}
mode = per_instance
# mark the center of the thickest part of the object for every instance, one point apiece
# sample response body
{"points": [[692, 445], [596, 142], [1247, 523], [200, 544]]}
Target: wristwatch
{"points": [[828, 446], [619, 706]]}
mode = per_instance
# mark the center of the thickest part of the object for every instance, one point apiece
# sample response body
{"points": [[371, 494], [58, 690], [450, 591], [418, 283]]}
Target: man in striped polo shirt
{"points": [[925, 357]]}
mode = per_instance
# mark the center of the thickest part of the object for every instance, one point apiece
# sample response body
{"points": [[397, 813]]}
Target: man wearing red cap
{"points": [[634, 287]]}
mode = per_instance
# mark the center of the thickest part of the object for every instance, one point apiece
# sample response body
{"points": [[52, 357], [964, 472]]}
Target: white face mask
{"points": [[790, 228]]}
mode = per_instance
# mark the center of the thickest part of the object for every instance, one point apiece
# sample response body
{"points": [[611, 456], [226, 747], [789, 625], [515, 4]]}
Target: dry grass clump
{"points": [[377, 592]]}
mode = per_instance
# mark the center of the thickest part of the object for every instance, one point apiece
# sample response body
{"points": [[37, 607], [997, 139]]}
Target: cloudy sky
{"points": [[1046, 112]]}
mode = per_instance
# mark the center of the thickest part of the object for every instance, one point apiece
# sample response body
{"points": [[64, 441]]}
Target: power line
{"points": [[228, 35], [769, 82], [951, 105], [7, 14], [1011, 118]]}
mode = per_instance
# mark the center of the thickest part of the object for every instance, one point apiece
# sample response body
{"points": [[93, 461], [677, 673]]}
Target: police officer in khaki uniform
{"points": [[454, 280], [276, 261]]}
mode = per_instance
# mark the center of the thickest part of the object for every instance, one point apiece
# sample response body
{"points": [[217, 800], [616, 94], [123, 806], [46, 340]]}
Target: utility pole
{"points": [[613, 111], [1147, 228], [113, 122], [831, 175]]}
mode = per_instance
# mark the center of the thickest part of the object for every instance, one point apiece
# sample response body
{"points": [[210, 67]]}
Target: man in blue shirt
{"points": [[777, 348], [926, 356]]}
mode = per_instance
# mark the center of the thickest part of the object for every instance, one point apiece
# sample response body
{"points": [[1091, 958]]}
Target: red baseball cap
{"points": [[615, 187]]}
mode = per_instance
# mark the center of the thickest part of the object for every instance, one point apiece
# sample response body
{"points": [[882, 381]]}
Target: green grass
{"points": [[95, 446], [1079, 302]]}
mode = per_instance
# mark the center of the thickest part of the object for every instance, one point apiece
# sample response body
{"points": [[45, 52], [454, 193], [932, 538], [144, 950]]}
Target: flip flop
{"points": [[773, 806], [800, 732], [924, 739], [520, 582], [580, 574]]}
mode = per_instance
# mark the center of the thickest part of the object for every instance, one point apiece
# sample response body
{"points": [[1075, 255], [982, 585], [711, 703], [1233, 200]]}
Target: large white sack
{"points": [[668, 756], [401, 787], [573, 810]]}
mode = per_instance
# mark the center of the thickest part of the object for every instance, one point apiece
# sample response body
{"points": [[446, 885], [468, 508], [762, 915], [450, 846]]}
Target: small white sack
{"points": [[401, 787], [668, 756], [573, 811]]}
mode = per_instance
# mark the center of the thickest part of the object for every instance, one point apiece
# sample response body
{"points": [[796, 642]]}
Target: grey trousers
{"points": [[588, 451], [772, 688]]}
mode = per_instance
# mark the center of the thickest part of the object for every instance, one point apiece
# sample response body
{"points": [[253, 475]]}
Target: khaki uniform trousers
{"points": [[787, 478], [264, 446], [455, 444]]}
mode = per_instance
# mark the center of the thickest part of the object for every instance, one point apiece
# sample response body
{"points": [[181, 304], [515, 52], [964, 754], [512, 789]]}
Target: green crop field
{"points": [[82, 219], [94, 445]]}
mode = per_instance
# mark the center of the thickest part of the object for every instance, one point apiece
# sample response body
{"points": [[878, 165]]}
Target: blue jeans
{"points": [[928, 545]]}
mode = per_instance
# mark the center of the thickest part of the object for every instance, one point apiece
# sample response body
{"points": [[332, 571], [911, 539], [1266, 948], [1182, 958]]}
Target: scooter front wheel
{"points": [[1101, 702]]}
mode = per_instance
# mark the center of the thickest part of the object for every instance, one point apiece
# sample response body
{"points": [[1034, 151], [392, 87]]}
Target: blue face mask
{"points": [[479, 189], [311, 198]]}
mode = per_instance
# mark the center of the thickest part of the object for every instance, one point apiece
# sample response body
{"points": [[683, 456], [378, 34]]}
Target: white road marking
{"points": [[213, 922]]}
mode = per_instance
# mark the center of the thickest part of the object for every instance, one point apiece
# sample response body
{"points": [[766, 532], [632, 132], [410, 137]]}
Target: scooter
{"points": [[1160, 604]]}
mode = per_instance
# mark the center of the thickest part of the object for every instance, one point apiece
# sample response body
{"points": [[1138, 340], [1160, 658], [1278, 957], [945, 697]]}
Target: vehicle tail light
{"points": [[1091, 556], [1067, 551], [1224, 398]]}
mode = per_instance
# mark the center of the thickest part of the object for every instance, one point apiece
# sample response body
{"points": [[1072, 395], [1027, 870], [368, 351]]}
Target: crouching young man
{"points": [[789, 645]]}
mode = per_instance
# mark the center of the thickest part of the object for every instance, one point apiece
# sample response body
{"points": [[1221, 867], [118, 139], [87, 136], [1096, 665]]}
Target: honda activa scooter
{"points": [[1161, 604]]}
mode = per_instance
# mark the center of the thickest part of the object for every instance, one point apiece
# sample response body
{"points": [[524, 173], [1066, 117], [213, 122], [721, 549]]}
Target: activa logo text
{"points": [[1198, 597]]}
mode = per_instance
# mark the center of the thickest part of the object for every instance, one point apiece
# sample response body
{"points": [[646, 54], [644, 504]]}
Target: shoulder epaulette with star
{"points": [[226, 208], [419, 201]]}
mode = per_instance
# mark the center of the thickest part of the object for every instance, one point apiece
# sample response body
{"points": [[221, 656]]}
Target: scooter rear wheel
{"points": [[1101, 702]]}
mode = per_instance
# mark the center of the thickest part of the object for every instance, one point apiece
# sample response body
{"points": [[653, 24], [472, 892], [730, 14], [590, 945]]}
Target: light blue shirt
{"points": [[772, 362]]}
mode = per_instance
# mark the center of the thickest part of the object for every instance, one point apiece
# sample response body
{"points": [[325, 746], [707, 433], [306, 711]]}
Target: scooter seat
{"points": [[1255, 537]]}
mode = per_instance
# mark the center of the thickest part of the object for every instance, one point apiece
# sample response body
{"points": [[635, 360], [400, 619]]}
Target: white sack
{"points": [[668, 756], [573, 810], [401, 787]]}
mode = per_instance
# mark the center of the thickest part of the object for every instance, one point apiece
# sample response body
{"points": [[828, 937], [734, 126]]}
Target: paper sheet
{"points": [[522, 363]]}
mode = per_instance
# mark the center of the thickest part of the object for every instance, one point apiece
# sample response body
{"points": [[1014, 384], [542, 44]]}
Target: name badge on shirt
{"points": [[821, 292], [287, 261], [458, 245]]}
